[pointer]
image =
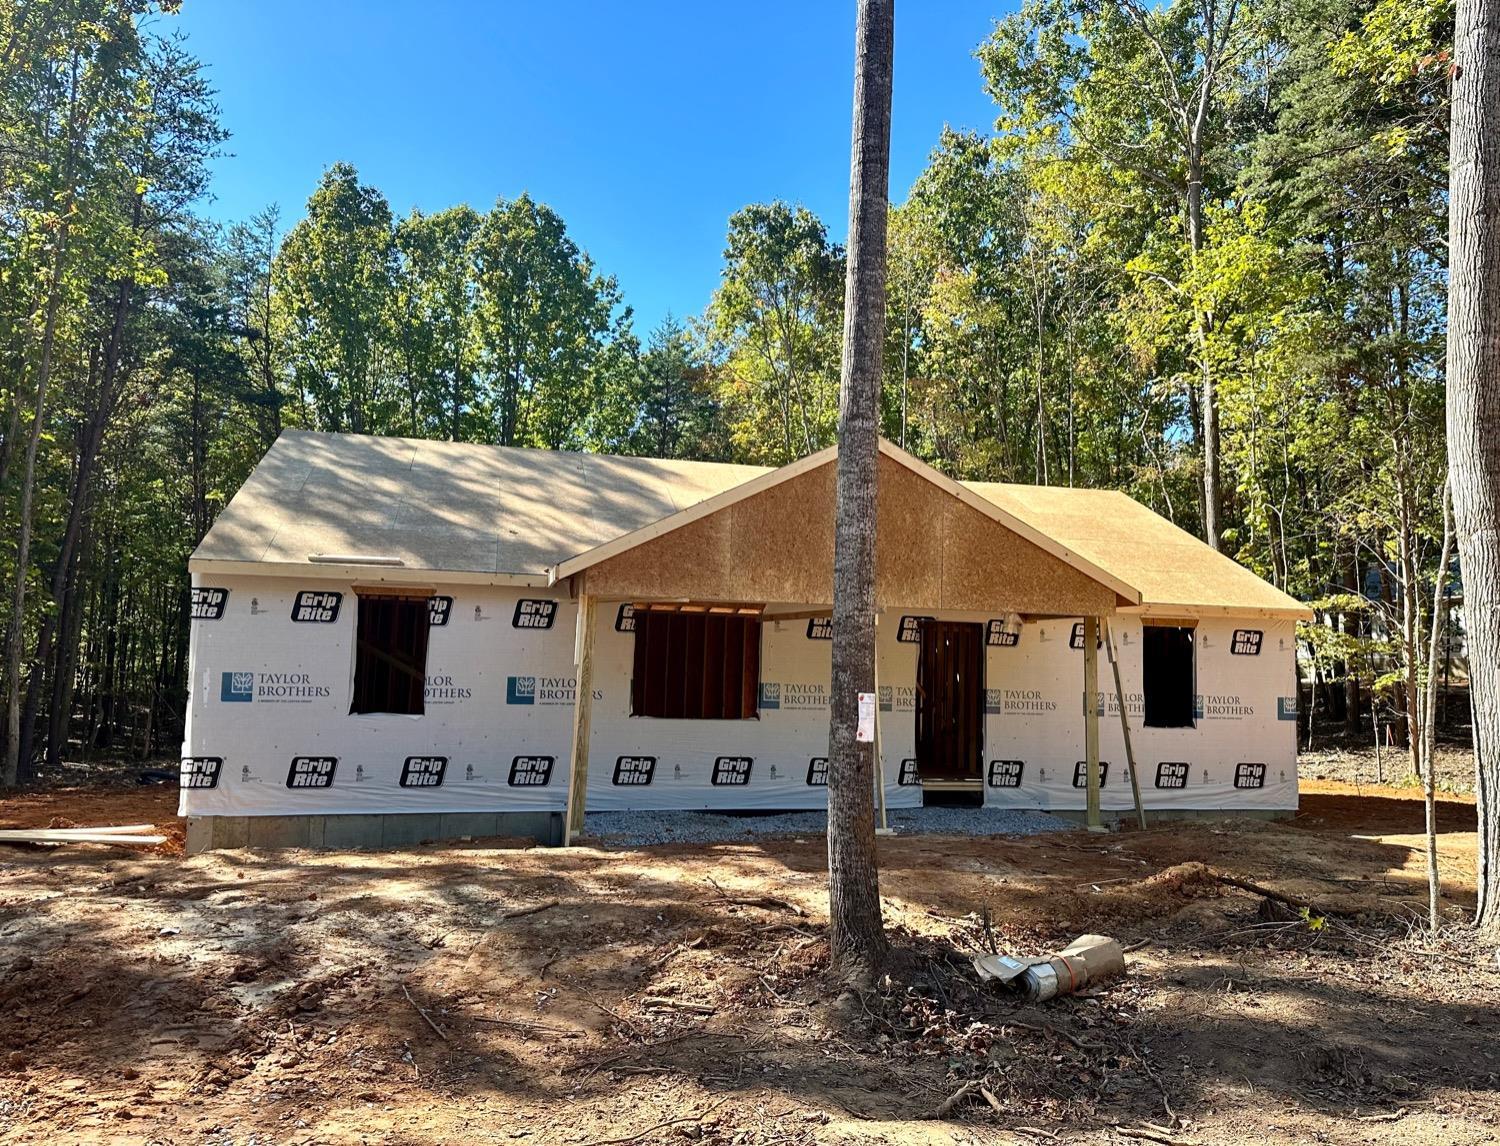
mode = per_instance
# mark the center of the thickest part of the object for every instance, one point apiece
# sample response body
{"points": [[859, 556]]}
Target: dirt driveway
{"points": [[504, 993]]}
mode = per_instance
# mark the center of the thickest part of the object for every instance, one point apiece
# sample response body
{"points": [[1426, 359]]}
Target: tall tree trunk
{"points": [[856, 935], [1474, 396]]}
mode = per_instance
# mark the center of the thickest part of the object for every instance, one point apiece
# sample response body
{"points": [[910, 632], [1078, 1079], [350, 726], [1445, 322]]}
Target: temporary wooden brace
{"points": [[583, 704], [1135, 784], [1091, 718]]}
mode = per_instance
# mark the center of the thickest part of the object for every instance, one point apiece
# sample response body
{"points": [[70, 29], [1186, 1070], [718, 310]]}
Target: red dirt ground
{"points": [[286, 996]]}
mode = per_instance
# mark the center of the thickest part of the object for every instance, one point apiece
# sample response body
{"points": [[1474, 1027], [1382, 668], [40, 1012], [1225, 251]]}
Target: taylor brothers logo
{"points": [[269, 688], [1209, 707], [543, 690], [897, 699], [1025, 702], [792, 695], [445, 690]]}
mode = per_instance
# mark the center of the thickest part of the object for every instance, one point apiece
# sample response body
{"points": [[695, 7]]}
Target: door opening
{"points": [[950, 702]]}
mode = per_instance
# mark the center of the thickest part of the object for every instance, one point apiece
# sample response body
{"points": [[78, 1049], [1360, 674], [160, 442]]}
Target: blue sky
{"points": [[645, 124]]}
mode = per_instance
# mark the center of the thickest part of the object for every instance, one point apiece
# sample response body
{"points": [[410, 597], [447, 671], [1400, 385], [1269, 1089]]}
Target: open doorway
{"points": [[950, 702]]}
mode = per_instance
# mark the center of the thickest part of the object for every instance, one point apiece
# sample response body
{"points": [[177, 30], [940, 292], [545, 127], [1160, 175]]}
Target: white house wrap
{"points": [[503, 551]]}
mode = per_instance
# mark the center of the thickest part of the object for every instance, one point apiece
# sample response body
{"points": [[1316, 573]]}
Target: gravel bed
{"points": [[637, 829]]}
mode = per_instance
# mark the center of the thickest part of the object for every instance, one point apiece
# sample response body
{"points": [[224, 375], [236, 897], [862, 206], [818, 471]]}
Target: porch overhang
{"points": [[939, 547]]}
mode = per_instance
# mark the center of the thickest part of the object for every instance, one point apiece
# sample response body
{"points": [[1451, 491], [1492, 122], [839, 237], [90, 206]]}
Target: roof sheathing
{"points": [[494, 514]]}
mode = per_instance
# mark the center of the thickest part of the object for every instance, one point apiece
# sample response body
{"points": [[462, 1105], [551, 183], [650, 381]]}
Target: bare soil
{"points": [[404, 996]]}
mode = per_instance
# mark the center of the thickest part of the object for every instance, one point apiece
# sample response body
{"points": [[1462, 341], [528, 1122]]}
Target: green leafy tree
{"points": [[335, 274], [775, 325], [544, 316]]}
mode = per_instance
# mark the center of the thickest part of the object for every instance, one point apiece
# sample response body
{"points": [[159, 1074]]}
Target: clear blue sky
{"points": [[644, 124]]}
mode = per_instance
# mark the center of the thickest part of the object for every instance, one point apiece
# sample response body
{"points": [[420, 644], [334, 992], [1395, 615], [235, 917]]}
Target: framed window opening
{"points": [[696, 665], [390, 653], [1168, 675]]}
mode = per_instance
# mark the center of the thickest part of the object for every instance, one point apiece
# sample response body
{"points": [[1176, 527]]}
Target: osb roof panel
{"points": [[448, 506], [468, 508], [1167, 564]]}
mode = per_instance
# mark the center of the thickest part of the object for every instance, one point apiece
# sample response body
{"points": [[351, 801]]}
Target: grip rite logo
{"points": [[908, 777], [1006, 773], [909, 632], [530, 772], [314, 606], [200, 772], [439, 609], [817, 772], [1249, 775], [1172, 774], [997, 636], [207, 604], [423, 771], [625, 619], [311, 772], [731, 771], [634, 771], [520, 690], [820, 628], [1081, 773], [1246, 642], [534, 614]]}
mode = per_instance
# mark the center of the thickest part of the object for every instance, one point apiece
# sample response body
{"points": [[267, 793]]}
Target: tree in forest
{"points": [[1474, 398], [1141, 90], [335, 273], [775, 319], [856, 934], [678, 417], [109, 132], [434, 325], [544, 314], [257, 313]]}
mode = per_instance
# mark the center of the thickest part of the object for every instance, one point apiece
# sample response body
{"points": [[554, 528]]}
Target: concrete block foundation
{"points": [[391, 830]]}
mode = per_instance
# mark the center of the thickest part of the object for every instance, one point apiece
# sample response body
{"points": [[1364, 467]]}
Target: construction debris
{"points": [[1089, 959], [132, 834]]}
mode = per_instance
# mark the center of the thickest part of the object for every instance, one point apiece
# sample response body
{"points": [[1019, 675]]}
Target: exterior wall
{"points": [[1240, 754], [497, 732], [641, 762], [267, 689]]}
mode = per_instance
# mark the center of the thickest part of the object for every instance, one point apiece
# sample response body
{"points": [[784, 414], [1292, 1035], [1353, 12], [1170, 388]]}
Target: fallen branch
{"points": [[659, 1126], [765, 902], [442, 1034], [660, 1003], [1274, 896], [948, 1104], [532, 910], [1152, 1136]]}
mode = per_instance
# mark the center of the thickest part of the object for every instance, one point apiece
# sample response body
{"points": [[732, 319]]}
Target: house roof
{"points": [[351, 505]]}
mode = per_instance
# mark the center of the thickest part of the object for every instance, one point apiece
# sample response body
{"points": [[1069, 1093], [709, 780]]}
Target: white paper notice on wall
{"points": [[865, 732]]}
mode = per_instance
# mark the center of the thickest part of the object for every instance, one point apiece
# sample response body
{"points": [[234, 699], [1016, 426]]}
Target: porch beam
{"points": [[583, 698], [1091, 719]]}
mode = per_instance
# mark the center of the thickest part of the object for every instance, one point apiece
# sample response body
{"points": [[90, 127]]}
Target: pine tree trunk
{"points": [[856, 936], [1474, 396]]}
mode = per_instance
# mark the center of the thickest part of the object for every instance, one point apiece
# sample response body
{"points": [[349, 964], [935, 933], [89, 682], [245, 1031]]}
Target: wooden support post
{"points": [[883, 828], [1091, 718], [1135, 783], [583, 697]]}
